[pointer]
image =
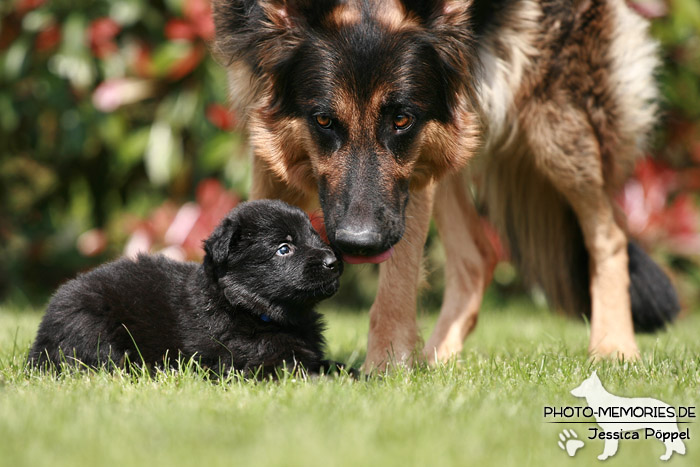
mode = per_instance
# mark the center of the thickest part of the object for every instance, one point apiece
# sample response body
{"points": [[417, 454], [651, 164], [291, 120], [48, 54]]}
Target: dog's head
{"points": [[266, 253], [358, 100]]}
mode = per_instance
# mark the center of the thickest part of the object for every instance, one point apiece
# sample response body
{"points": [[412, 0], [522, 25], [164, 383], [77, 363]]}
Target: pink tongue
{"points": [[380, 258]]}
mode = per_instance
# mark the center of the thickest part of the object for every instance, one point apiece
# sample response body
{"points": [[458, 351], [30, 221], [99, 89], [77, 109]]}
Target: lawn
{"points": [[486, 408]]}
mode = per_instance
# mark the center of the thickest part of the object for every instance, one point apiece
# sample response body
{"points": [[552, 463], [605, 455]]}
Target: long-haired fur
{"points": [[366, 105]]}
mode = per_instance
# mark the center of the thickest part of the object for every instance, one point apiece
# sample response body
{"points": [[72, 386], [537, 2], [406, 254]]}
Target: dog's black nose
{"points": [[362, 242], [330, 262]]}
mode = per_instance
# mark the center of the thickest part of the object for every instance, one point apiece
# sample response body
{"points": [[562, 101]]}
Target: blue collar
{"points": [[265, 318]]}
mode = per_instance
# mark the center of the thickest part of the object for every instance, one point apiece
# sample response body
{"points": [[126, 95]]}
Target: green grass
{"points": [[486, 408]]}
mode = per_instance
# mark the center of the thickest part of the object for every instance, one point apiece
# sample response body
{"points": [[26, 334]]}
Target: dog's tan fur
{"points": [[393, 332], [469, 265], [587, 112], [549, 87]]}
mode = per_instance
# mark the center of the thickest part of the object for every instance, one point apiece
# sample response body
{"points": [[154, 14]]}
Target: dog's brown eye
{"points": [[403, 122], [324, 121]]}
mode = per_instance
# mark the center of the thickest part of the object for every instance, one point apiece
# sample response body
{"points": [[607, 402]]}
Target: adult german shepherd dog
{"points": [[373, 109]]}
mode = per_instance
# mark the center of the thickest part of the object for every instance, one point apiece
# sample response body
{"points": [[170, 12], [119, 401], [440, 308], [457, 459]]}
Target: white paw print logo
{"points": [[569, 442]]}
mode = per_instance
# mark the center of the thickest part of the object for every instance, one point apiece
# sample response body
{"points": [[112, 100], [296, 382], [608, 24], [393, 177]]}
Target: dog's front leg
{"points": [[469, 264], [393, 331]]}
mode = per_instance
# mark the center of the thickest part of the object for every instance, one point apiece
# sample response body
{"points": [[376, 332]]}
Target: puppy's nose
{"points": [[330, 262]]}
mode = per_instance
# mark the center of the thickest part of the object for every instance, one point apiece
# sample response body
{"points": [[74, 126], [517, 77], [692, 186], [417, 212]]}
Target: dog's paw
{"points": [[569, 442], [615, 349]]}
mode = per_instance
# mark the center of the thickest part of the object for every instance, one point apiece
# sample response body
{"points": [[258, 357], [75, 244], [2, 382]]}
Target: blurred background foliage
{"points": [[115, 138]]}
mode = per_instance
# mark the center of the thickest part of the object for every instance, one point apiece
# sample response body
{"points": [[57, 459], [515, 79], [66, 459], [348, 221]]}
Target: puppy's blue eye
{"points": [[284, 250]]}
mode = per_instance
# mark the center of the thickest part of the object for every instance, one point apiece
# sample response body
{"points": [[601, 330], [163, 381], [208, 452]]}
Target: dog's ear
{"points": [[251, 31], [438, 11], [264, 36], [291, 14], [450, 27], [264, 33], [217, 247], [451, 35]]}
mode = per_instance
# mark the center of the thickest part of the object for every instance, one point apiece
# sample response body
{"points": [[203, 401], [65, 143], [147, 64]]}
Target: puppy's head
{"points": [[358, 100], [266, 253]]}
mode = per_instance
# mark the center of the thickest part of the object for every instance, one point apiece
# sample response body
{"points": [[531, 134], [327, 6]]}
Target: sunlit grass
{"points": [[485, 408]]}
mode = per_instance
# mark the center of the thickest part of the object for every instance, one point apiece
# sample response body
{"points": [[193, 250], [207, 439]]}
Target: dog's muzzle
{"points": [[362, 246], [359, 242]]}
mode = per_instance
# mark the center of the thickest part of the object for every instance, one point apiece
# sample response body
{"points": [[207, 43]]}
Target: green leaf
{"points": [[164, 153], [9, 119], [175, 6], [126, 12], [169, 53], [132, 150], [16, 58], [37, 20], [112, 128], [74, 34], [179, 109], [79, 69], [216, 152]]}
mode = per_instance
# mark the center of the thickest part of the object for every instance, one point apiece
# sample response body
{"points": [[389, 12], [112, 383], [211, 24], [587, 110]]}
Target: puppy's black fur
{"points": [[249, 306]]}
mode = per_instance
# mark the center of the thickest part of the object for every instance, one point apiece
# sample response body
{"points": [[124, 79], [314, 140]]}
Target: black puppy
{"points": [[249, 306]]}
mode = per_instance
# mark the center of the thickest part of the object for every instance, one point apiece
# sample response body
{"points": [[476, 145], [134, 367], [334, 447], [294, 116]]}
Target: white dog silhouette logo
{"points": [[617, 415]]}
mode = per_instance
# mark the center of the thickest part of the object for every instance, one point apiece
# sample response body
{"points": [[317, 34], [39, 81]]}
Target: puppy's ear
{"points": [[218, 246]]}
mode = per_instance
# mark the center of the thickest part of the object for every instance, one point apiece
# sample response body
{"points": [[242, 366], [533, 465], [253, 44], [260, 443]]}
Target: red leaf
{"points": [[48, 39], [691, 179], [103, 29], [24, 6], [142, 62], [187, 64], [179, 29], [198, 12], [92, 243], [318, 224], [221, 117], [695, 151], [101, 33], [10, 29], [215, 202]]}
